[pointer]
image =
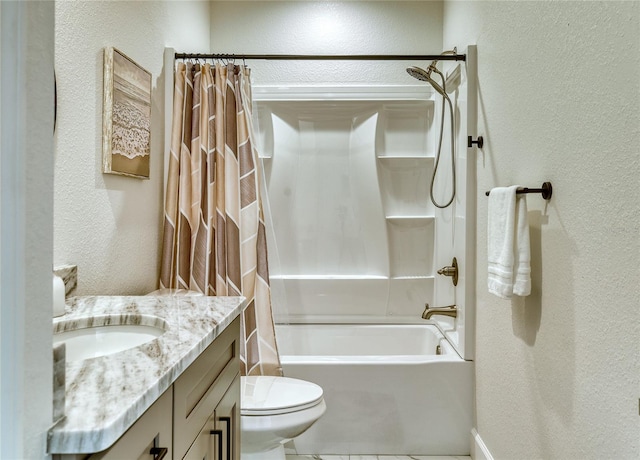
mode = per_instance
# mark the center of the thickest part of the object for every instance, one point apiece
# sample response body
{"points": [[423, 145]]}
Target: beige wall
{"points": [[110, 226], [558, 373], [361, 27]]}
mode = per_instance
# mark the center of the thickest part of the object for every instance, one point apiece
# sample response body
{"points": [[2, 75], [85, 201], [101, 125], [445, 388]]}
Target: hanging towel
{"points": [[508, 252]]}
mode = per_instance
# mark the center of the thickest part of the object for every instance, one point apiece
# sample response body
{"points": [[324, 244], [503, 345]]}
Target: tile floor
{"points": [[373, 457]]}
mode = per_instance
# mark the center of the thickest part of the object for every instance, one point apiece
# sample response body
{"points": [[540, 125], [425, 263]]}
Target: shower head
{"points": [[420, 74], [425, 75]]}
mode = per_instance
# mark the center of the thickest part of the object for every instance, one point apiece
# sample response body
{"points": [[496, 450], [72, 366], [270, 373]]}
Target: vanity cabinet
{"points": [[198, 417]]}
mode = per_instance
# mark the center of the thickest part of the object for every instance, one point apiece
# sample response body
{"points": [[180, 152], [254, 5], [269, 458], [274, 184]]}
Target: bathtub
{"points": [[387, 390]]}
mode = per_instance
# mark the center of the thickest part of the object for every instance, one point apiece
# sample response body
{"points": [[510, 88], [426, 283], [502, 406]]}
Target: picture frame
{"points": [[126, 116]]}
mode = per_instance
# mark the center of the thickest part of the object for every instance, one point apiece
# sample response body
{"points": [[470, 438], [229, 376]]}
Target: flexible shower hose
{"points": [[453, 159]]}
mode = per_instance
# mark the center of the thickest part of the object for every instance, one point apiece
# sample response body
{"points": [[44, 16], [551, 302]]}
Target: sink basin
{"points": [[84, 341]]}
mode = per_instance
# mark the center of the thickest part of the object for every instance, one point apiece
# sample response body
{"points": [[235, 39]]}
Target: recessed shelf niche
{"points": [[404, 129], [404, 185], [410, 246]]}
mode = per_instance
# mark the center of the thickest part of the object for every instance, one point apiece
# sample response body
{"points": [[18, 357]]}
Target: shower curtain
{"points": [[214, 234]]}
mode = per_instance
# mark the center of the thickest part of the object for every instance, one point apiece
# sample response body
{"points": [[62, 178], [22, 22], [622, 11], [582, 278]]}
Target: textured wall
{"points": [[110, 226], [558, 372], [362, 27]]}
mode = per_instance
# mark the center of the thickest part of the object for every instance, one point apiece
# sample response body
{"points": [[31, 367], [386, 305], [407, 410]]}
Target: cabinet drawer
{"points": [[136, 443], [199, 389]]}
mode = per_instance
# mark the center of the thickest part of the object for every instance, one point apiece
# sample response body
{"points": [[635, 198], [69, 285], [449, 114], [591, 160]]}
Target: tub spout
{"points": [[449, 310]]}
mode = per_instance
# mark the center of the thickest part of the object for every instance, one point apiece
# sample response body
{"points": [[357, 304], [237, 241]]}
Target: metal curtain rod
{"points": [[328, 57]]}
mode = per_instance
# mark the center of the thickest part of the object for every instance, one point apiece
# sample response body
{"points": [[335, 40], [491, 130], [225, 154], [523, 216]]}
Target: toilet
{"points": [[274, 410]]}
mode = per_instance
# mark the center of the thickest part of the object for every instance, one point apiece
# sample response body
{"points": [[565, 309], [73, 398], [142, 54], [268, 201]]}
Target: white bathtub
{"points": [[386, 389]]}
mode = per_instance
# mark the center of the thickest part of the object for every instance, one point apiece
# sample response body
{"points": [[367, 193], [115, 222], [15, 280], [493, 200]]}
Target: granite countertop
{"points": [[106, 395]]}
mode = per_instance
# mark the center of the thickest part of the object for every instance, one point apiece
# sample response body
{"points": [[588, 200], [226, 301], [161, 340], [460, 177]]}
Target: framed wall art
{"points": [[126, 116]]}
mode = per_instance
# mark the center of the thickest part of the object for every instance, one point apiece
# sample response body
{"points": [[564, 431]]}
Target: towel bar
{"points": [[546, 190]]}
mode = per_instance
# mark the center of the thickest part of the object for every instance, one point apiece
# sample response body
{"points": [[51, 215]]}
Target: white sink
{"points": [[102, 340]]}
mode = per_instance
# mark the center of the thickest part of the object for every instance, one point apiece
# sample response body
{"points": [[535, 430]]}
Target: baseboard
{"points": [[479, 449]]}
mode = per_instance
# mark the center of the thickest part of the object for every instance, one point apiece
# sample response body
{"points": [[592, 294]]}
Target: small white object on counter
{"points": [[58, 296]]}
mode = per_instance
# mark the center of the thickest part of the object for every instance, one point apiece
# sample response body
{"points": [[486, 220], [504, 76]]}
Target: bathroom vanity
{"points": [[174, 397]]}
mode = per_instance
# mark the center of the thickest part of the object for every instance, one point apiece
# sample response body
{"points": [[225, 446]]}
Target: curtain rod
{"points": [[327, 57]]}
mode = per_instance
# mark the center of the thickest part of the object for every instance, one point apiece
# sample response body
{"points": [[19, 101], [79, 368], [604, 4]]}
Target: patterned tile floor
{"points": [[374, 457]]}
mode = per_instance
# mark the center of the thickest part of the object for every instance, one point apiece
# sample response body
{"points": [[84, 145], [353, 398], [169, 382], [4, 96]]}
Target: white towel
{"points": [[508, 252]]}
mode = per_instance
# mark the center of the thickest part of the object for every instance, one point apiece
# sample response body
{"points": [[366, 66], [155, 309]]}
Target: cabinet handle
{"points": [[227, 420], [218, 433], [158, 452]]}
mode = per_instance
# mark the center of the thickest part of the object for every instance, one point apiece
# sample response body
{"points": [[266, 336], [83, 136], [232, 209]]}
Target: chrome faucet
{"points": [[449, 310]]}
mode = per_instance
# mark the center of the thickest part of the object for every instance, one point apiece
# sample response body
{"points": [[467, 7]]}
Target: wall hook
{"points": [[479, 141]]}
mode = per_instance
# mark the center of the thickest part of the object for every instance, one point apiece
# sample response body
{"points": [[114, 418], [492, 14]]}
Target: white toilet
{"points": [[274, 410]]}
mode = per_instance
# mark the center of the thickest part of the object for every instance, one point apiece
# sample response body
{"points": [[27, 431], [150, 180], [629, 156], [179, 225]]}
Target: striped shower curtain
{"points": [[214, 233]]}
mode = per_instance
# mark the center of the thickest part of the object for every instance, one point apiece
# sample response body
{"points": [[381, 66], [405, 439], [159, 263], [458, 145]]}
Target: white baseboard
{"points": [[479, 449]]}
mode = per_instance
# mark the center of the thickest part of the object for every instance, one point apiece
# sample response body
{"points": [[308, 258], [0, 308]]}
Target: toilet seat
{"points": [[268, 395]]}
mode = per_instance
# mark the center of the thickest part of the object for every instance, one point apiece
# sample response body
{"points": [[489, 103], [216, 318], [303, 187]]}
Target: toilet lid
{"points": [[267, 395]]}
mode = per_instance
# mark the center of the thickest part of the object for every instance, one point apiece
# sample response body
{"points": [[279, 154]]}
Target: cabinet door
{"points": [[220, 437], [227, 421], [199, 389], [152, 430], [205, 447]]}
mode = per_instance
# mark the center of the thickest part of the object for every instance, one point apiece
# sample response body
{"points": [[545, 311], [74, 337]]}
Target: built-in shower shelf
{"points": [[350, 277], [389, 95], [409, 219], [404, 185], [328, 277], [412, 277], [400, 157], [410, 245]]}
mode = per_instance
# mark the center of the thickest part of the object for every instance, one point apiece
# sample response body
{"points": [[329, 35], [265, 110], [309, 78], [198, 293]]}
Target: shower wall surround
{"points": [[346, 181], [354, 235]]}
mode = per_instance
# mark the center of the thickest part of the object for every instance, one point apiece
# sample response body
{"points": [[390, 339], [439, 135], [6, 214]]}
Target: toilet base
{"points": [[273, 454]]}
